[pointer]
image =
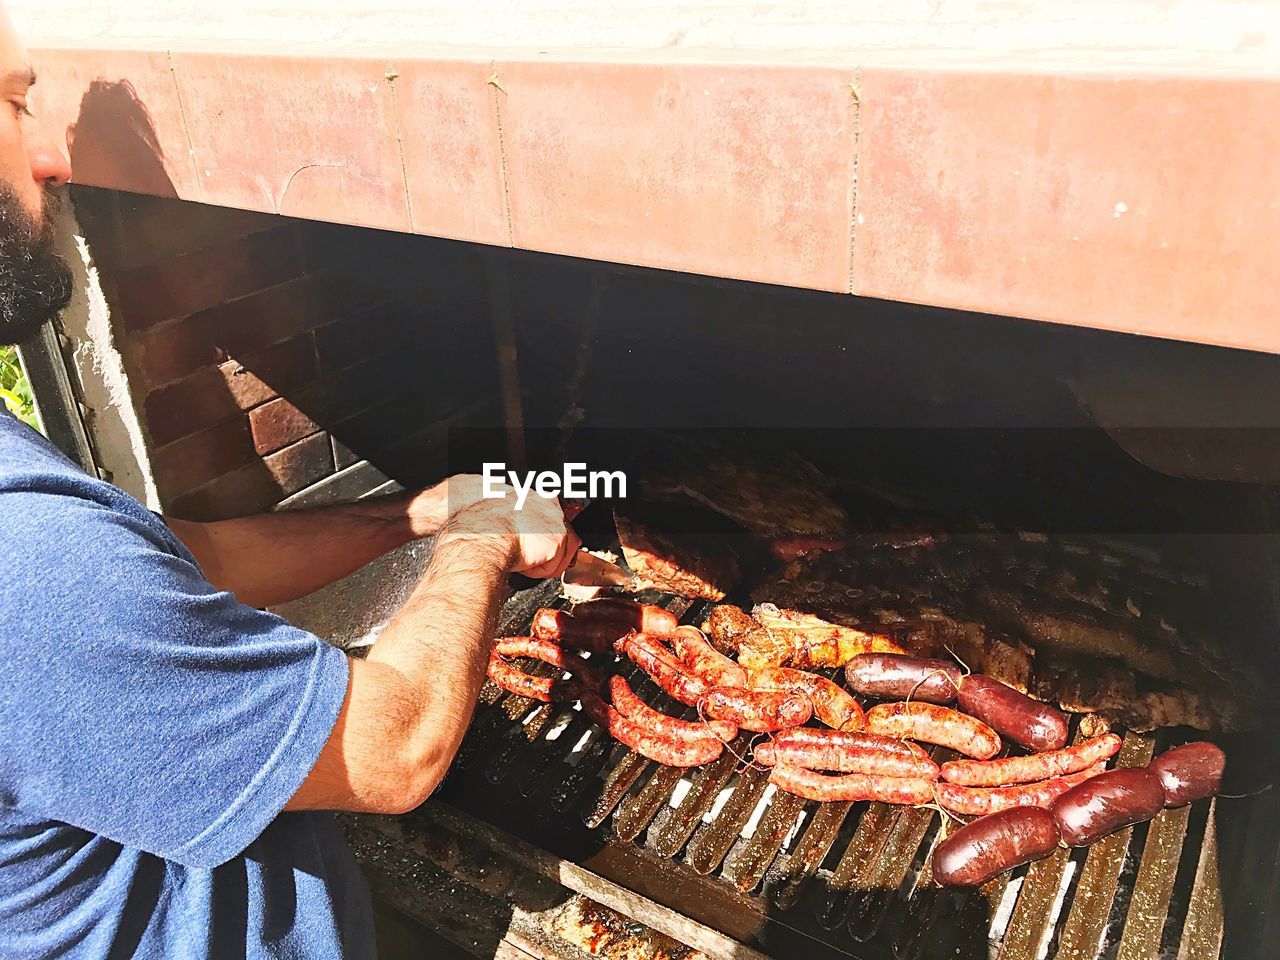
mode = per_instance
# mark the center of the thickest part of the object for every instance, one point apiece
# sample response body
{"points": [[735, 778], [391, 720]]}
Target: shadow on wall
{"points": [[114, 140]]}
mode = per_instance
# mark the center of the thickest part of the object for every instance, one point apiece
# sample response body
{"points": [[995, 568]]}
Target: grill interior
{"points": [[791, 877]]}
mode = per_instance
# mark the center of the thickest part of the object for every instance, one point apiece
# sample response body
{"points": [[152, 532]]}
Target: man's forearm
{"points": [[412, 699], [275, 557]]}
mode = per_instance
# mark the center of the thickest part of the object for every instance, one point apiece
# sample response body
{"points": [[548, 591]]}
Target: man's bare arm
{"points": [[408, 705], [271, 558]]}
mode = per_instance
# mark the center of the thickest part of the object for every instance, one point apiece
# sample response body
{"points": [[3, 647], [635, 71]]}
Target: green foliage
{"points": [[14, 387]]}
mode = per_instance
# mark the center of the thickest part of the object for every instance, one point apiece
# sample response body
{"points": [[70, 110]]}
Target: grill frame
{"points": [[847, 885]]}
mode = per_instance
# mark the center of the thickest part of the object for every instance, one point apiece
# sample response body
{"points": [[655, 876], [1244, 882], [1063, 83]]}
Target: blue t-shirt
{"points": [[151, 731]]}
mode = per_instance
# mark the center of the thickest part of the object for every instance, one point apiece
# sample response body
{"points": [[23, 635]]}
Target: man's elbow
{"points": [[411, 784]]}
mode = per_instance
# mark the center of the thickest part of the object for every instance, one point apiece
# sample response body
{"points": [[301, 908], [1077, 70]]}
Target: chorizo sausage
{"points": [[627, 703], [812, 737], [642, 617], [1106, 803], [845, 757], [664, 749], [896, 676], [756, 710], [988, 847], [1035, 766], [1034, 725], [547, 689], [1190, 772], [931, 723], [667, 672], [979, 801], [832, 704], [596, 625], [851, 786], [705, 661]]}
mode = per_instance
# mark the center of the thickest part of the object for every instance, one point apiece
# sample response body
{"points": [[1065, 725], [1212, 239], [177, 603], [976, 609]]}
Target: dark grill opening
{"points": [[340, 361]]}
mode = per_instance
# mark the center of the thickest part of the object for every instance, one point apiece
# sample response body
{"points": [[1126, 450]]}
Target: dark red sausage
{"points": [[931, 723], [979, 801], [596, 625], [832, 704], [757, 710], [703, 660], [1190, 772], [633, 708], [893, 676], [1035, 766], [655, 746], [642, 617], [853, 786], [1013, 715], [666, 671], [1106, 803], [988, 847], [813, 738], [845, 758]]}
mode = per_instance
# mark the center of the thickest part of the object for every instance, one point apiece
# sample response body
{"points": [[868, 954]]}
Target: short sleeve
{"points": [[139, 702]]}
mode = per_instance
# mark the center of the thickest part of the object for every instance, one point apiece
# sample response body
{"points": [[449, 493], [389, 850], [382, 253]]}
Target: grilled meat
{"points": [[697, 565], [1035, 614], [782, 496]]}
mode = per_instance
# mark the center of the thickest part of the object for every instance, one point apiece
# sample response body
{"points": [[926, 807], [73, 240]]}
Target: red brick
{"points": [[277, 424], [280, 369], [258, 485], [189, 405], [179, 286], [200, 457], [239, 327]]}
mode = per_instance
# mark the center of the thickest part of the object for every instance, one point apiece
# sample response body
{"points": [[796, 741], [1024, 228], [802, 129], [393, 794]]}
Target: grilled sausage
{"points": [[547, 689], [1035, 766], [851, 786], [1034, 725], [1106, 803], [988, 847], [846, 756], [791, 548], [820, 740], [930, 723], [705, 661], [666, 671], [596, 625], [894, 676], [636, 710], [756, 710], [1190, 772], [832, 704], [979, 801], [655, 746], [644, 617]]}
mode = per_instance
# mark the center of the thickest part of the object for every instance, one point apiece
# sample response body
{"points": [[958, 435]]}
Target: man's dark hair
{"points": [[35, 283]]}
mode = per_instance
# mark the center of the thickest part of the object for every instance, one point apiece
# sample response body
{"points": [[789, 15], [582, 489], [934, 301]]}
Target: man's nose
{"points": [[49, 166]]}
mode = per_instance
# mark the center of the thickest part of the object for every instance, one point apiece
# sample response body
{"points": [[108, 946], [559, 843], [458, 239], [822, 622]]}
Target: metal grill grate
{"points": [[783, 875]]}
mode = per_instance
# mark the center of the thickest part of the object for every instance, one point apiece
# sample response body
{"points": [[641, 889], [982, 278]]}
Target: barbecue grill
{"points": [[787, 877]]}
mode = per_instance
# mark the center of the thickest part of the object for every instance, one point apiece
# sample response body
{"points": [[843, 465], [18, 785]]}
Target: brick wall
{"points": [[277, 360]]}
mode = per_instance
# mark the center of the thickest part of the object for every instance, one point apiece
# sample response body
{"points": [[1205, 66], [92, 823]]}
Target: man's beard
{"points": [[35, 283]]}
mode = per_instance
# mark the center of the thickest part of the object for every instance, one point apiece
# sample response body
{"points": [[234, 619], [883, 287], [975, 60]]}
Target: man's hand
{"points": [[538, 541]]}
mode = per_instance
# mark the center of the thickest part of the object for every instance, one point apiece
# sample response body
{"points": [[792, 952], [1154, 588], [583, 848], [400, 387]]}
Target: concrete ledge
{"points": [[1148, 203]]}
